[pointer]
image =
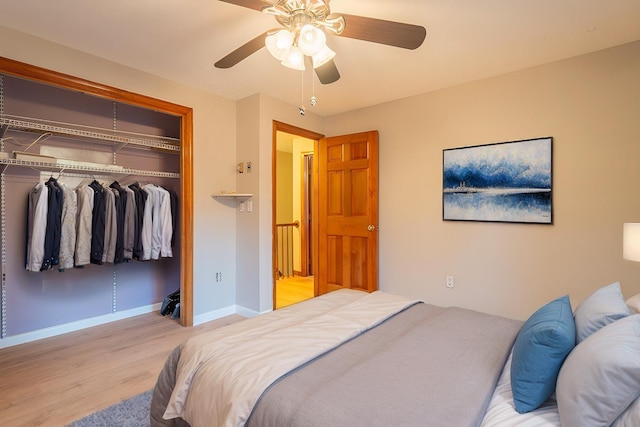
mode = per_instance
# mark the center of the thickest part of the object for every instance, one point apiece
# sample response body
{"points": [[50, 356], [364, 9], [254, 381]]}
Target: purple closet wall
{"points": [[37, 300]]}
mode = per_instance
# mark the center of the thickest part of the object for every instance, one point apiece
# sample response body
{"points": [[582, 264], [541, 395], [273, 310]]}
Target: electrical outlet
{"points": [[218, 277], [450, 282]]}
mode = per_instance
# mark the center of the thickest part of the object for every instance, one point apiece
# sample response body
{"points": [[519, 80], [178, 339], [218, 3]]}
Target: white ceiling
{"points": [[466, 40]]}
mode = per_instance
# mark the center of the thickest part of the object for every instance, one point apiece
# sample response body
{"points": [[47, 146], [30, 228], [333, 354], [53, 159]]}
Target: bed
{"points": [[351, 358]]}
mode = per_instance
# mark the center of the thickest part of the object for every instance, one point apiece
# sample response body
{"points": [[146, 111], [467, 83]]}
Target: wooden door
{"points": [[348, 212]]}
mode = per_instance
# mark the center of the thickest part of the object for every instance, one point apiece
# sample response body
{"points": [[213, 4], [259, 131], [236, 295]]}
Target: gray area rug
{"points": [[133, 412]]}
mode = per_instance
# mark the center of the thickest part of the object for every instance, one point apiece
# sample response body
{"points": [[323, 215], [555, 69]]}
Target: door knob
{"points": [[371, 227]]}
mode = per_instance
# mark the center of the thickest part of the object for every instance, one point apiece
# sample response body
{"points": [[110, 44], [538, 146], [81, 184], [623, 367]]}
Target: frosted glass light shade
{"points": [[322, 57], [311, 40], [631, 241], [279, 43], [294, 59]]}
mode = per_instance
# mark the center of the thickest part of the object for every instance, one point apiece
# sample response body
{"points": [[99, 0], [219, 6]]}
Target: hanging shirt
{"points": [[84, 225], [129, 223], [36, 226], [146, 234], [110, 226], [166, 226], [68, 228], [161, 228]]}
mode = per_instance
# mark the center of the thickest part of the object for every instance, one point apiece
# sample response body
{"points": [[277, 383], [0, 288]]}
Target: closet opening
{"points": [[65, 129]]}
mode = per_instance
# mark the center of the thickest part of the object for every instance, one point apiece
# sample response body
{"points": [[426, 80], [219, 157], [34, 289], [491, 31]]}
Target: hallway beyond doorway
{"points": [[293, 289]]}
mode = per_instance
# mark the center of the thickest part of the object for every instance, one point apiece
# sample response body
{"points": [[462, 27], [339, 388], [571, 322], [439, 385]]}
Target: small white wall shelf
{"points": [[232, 196]]}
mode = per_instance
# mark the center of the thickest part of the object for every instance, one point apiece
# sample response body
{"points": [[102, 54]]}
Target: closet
{"points": [[58, 127]]}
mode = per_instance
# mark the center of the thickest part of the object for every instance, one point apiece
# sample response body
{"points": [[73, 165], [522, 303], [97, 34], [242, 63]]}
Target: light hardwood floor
{"points": [[57, 380], [294, 289]]}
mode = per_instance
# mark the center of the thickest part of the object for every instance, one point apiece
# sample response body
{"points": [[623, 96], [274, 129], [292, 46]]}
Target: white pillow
{"points": [[634, 303], [600, 378], [604, 306], [630, 417]]}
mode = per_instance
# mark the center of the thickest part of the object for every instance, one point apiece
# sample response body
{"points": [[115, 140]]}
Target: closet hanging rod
{"points": [[30, 124], [53, 167]]}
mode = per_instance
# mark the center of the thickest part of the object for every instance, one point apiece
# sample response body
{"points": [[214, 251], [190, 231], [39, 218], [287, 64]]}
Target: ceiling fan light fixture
{"points": [[311, 40], [279, 43], [322, 57], [335, 23], [294, 59]]}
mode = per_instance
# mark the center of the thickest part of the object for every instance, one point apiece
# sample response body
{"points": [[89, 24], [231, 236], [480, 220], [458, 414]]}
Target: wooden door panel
{"points": [[359, 261], [359, 199], [349, 227], [359, 150], [334, 154], [335, 195], [334, 260], [348, 212]]}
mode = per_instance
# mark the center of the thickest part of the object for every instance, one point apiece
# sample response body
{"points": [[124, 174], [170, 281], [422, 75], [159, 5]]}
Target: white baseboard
{"points": [[76, 326], [213, 315], [226, 311], [119, 315], [243, 311]]}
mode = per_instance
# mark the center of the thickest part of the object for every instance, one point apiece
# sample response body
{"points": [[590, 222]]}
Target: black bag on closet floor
{"points": [[170, 302]]}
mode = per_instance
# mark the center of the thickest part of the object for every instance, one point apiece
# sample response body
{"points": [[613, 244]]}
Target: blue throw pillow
{"points": [[543, 343]]}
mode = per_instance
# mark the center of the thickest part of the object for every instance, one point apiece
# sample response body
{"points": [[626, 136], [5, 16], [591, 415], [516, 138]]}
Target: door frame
{"points": [[304, 133], [306, 230]]}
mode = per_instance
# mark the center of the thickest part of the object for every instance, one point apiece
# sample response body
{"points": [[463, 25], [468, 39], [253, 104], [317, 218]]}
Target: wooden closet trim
{"points": [[43, 75]]}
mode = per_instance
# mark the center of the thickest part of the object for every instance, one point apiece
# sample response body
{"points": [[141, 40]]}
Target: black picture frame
{"points": [[499, 182]]}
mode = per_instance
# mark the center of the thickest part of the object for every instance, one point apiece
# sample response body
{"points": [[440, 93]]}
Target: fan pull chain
{"points": [[313, 100], [301, 109]]}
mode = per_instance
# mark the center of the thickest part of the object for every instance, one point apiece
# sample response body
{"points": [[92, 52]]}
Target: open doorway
{"points": [[294, 241]]}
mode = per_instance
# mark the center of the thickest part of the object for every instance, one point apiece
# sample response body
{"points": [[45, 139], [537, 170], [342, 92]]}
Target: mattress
{"points": [[417, 365]]}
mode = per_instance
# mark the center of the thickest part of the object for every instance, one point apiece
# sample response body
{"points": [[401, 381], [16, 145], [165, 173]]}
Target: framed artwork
{"points": [[502, 182]]}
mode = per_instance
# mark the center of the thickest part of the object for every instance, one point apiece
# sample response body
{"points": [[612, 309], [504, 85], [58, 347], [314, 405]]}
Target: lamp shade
{"points": [[322, 57], [631, 241], [278, 43], [294, 59], [311, 40]]}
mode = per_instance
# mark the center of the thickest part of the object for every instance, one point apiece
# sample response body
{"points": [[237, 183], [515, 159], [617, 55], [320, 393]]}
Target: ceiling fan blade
{"points": [[328, 73], [391, 33], [251, 4], [242, 52]]}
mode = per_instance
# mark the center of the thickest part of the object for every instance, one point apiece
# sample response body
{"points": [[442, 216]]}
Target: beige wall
{"points": [[255, 116], [590, 106], [284, 184]]}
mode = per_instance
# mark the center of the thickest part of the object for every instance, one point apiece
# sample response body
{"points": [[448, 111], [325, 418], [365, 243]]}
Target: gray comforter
{"points": [[426, 366]]}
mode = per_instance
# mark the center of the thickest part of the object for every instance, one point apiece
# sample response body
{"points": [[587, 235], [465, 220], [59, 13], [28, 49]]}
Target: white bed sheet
{"points": [[221, 375], [502, 412]]}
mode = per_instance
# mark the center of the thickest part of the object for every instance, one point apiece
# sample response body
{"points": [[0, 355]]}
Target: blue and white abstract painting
{"points": [[505, 182]]}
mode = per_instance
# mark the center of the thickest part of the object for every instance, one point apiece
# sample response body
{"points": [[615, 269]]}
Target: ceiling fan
{"points": [[301, 37]]}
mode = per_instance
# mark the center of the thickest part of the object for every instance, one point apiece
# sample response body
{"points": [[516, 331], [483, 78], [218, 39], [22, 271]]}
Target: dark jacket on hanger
{"points": [[141, 199], [54, 226], [175, 207], [121, 204], [98, 223]]}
